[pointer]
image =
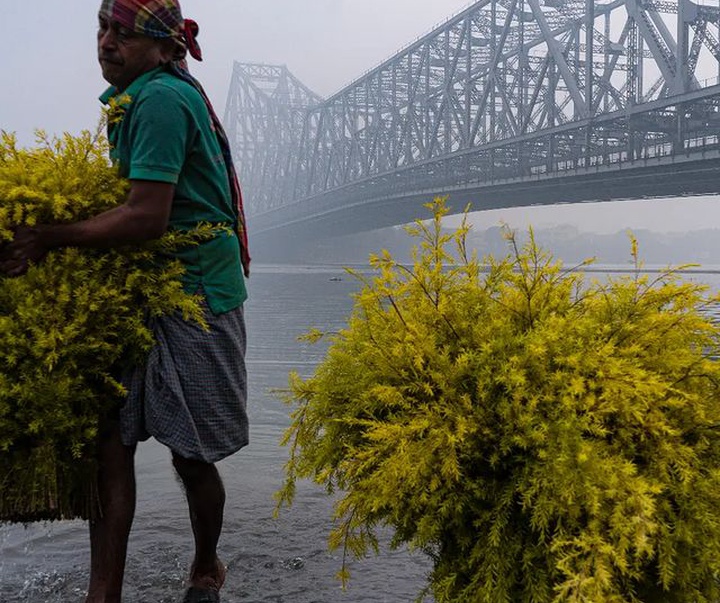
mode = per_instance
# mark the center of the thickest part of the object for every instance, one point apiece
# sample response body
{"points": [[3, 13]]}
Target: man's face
{"points": [[125, 55]]}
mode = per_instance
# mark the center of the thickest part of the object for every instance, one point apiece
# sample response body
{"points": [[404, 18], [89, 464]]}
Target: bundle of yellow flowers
{"points": [[69, 325], [544, 439]]}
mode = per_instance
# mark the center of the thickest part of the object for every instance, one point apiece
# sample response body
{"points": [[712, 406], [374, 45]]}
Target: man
{"points": [[167, 141]]}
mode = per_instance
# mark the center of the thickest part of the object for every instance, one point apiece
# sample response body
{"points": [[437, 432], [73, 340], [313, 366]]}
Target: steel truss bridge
{"points": [[509, 103]]}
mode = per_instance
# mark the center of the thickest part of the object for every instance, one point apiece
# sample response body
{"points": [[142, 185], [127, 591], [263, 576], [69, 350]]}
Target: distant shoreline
{"points": [[651, 270], [343, 267]]}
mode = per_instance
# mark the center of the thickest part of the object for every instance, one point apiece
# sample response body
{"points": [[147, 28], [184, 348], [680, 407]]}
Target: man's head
{"points": [[136, 36]]}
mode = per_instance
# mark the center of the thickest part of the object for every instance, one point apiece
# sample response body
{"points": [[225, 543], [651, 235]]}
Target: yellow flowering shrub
{"points": [[541, 437], [69, 325]]}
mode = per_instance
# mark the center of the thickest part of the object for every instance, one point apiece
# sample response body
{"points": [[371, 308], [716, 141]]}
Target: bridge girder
{"points": [[507, 88]]}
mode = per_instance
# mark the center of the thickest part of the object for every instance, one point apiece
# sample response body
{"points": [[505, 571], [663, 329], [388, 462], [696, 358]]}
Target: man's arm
{"points": [[143, 217]]}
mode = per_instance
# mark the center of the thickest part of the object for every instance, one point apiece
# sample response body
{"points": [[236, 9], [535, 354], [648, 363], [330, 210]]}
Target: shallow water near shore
{"points": [[279, 560], [283, 560]]}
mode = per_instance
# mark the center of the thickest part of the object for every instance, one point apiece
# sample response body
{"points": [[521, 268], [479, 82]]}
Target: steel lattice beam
{"points": [[506, 89]]}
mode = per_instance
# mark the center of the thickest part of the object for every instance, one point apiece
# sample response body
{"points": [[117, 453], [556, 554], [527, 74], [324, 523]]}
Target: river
{"points": [[283, 560]]}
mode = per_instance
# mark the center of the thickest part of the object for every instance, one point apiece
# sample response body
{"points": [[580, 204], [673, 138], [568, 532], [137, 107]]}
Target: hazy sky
{"points": [[50, 78]]}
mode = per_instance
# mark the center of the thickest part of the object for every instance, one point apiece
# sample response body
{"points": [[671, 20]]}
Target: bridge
{"points": [[508, 103]]}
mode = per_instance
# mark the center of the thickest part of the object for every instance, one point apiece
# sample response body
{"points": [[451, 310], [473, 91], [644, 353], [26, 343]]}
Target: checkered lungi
{"points": [[191, 394]]}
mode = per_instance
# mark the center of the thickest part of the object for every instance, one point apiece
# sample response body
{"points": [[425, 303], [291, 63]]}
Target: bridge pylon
{"points": [[264, 118]]}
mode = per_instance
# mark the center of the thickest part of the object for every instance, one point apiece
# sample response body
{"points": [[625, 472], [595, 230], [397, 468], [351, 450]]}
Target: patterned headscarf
{"points": [[155, 19], [163, 19]]}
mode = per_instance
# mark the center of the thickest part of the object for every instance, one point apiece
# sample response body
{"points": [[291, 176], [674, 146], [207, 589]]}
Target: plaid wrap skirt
{"points": [[191, 393]]}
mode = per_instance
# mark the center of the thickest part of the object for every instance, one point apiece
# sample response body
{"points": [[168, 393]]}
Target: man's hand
{"points": [[143, 217], [27, 247]]}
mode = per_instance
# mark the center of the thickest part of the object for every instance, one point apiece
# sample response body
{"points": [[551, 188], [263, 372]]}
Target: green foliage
{"points": [[542, 438], [69, 326]]}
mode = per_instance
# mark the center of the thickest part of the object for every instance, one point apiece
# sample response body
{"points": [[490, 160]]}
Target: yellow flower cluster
{"points": [[69, 326], [542, 438]]}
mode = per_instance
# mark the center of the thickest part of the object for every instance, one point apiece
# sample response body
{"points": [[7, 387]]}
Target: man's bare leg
{"points": [[110, 532], [206, 501]]}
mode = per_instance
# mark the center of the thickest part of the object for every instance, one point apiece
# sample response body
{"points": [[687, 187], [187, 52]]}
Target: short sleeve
{"points": [[160, 134]]}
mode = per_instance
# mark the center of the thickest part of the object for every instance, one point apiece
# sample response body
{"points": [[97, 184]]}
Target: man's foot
{"points": [[210, 581], [205, 588], [201, 595]]}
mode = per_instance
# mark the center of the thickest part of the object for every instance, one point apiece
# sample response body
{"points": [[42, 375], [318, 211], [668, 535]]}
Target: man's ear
{"points": [[169, 49]]}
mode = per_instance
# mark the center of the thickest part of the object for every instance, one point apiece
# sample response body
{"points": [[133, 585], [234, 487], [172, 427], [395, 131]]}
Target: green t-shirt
{"points": [[160, 130]]}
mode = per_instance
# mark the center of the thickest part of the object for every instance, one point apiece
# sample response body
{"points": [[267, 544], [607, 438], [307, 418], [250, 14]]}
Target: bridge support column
{"points": [[683, 47]]}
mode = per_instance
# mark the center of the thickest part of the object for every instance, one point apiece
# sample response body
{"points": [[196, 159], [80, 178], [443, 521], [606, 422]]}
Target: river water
{"points": [[283, 560]]}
